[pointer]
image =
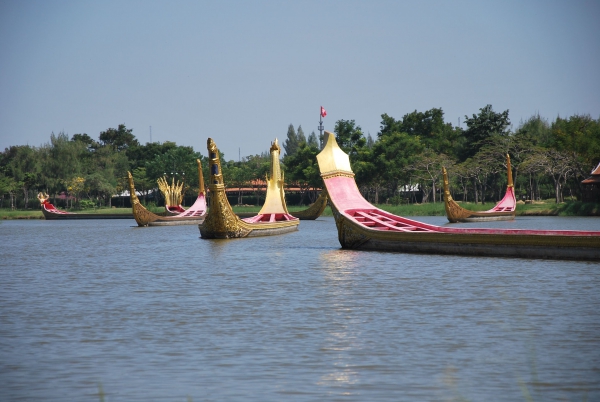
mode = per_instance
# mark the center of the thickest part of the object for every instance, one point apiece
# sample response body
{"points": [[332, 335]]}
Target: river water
{"points": [[96, 310]]}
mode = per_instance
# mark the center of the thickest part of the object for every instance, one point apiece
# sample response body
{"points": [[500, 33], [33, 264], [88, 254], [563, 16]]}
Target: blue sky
{"points": [[242, 71]]}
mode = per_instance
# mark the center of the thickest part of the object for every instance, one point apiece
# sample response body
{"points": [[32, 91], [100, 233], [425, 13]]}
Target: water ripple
{"points": [[160, 314]]}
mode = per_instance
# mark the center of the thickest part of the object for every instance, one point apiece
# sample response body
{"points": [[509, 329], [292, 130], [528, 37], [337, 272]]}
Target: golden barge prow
{"points": [[193, 215], [222, 223]]}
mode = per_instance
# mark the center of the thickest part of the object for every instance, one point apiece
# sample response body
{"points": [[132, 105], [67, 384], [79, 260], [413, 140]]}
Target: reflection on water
{"points": [[160, 314], [339, 378]]}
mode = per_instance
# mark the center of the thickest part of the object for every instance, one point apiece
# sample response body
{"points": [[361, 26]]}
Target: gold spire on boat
{"points": [[509, 171], [201, 189], [332, 160], [275, 199]]}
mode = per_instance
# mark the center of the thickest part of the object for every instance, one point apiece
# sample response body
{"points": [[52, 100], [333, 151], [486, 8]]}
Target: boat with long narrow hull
{"points": [[504, 210], [222, 223], [192, 216], [363, 226], [315, 210], [50, 212]]}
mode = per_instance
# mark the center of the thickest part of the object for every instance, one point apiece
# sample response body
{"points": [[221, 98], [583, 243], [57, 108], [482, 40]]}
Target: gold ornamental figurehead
{"points": [[221, 222], [173, 192], [275, 199], [332, 160]]}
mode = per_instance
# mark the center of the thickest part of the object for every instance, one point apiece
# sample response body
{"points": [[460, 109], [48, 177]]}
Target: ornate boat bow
{"points": [[192, 215], [222, 223]]}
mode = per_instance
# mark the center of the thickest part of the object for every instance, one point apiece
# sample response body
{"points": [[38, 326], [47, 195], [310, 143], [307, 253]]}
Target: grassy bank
{"points": [[37, 213], [568, 208], [539, 208]]}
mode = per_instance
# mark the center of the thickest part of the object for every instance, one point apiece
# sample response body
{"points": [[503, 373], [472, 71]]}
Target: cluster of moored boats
{"points": [[360, 225]]}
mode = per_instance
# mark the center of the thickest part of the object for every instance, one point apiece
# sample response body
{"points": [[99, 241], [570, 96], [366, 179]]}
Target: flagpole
{"points": [[321, 126]]}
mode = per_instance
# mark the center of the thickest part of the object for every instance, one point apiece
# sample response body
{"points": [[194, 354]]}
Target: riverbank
{"points": [[37, 213], [538, 208]]}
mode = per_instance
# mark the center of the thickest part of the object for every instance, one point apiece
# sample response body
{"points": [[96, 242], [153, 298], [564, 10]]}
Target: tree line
{"points": [[83, 172], [404, 162], [401, 164]]}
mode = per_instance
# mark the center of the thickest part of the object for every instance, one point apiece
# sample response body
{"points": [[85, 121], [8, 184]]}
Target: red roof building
{"points": [[590, 187]]}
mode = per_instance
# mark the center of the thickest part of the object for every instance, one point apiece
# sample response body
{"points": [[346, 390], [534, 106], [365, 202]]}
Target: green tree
{"points": [[9, 185], [60, 159], [370, 141], [369, 179], [23, 164], [300, 135], [142, 183], [313, 141], [239, 176], [86, 139], [480, 127], [140, 155], [302, 170], [292, 142], [478, 175], [392, 157], [120, 138], [433, 132], [101, 188], [579, 136], [389, 125], [75, 186], [427, 170], [178, 163], [559, 165], [349, 137], [258, 167], [459, 176], [108, 169], [536, 131]]}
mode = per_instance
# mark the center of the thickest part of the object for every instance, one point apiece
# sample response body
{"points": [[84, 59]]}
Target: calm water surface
{"points": [[158, 314]]}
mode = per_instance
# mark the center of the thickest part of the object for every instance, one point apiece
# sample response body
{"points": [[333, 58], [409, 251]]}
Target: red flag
{"points": [[323, 112]]}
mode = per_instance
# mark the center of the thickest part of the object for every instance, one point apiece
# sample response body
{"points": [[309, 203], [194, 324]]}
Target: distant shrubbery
{"points": [[402, 165]]}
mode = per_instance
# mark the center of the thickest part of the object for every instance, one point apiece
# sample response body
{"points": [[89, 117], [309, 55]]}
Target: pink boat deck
{"points": [[51, 208], [506, 204], [267, 218], [347, 199], [197, 209]]}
